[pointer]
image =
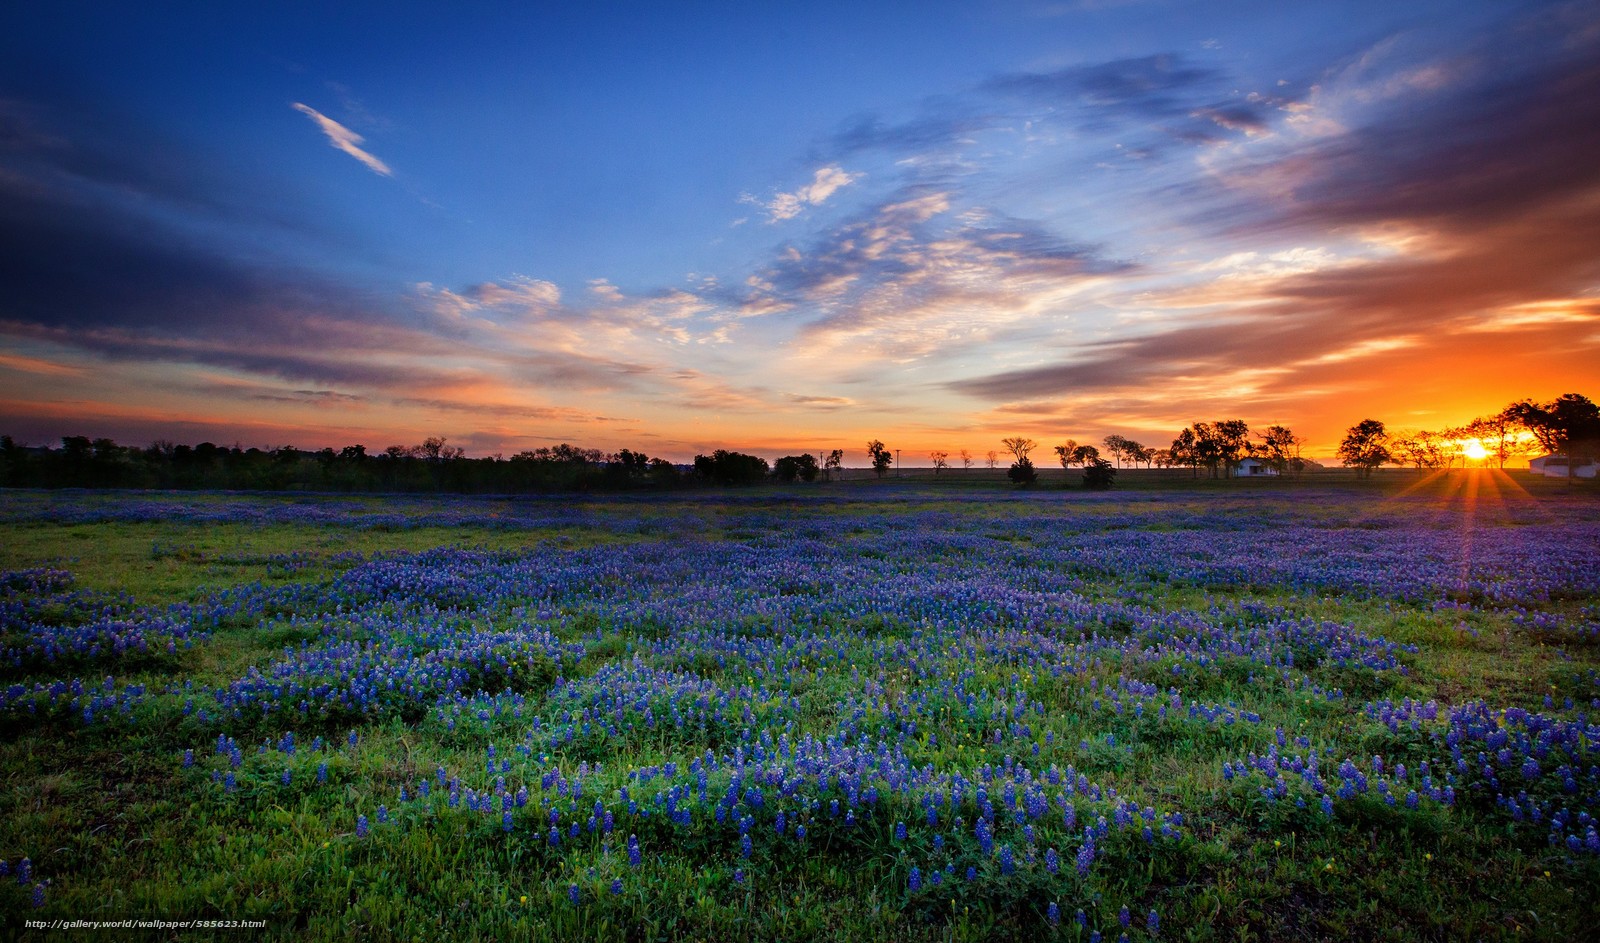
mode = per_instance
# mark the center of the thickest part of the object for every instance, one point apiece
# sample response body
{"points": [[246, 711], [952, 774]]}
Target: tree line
{"points": [[1568, 425]]}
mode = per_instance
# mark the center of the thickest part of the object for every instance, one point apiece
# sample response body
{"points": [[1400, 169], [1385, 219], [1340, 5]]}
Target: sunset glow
{"points": [[674, 229]]}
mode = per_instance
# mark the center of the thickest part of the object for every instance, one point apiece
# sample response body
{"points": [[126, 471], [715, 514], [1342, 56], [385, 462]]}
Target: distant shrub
{"points": [[1098, 474], [1022, 472]]}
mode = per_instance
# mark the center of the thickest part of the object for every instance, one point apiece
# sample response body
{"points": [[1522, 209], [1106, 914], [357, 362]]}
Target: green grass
{"points": [[109, 815]]}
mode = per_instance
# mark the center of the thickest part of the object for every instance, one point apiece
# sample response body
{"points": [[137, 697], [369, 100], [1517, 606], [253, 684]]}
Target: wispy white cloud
{"points": [[344, 139], [824, 183]]}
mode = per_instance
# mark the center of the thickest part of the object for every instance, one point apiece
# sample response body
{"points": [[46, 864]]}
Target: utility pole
{"points": [[897, 463]]}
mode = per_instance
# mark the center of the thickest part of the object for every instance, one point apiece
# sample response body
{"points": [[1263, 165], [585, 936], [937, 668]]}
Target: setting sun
{"points": [[1474, 450]]}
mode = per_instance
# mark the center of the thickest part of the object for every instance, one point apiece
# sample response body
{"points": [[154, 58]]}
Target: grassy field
{"points": [[910, 710]]}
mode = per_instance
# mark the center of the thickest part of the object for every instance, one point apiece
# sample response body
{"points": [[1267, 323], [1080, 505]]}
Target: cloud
{"points": [[911, 278], [344, 139], [518, 294], [824, 183], [508, 410], [1150, 85], [949, 123], [824, 403], [1449, 214], [38, 365]]}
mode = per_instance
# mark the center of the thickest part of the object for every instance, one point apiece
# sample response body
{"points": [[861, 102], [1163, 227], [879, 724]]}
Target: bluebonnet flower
{"points": [[573, 894], [1085, 857], [1153, 922], [1053, 913], [914, 880], [616, 886], [361, 826]]}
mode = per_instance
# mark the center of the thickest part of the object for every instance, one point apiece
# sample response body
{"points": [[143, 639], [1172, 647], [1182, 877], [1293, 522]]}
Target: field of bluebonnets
{"points": [[857, 711]]}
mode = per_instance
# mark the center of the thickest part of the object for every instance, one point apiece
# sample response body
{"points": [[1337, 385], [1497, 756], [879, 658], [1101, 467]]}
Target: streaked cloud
{"points": [[1070, 246], [824, 183], [344, 139], [911, 278], [38, 365], [1450, 198]]}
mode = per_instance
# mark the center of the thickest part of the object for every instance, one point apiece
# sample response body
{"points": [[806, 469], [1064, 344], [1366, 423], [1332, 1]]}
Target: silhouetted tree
{"points": [[1022, 472], [1098, 474], [1185, 451], [1421, 449], [791, 467], [1502, 435], [1365, 447], [941, 460], [1279, 449], [1116, 445], [1567, 425], [1019, 447], [731, 468], [881, 457]]}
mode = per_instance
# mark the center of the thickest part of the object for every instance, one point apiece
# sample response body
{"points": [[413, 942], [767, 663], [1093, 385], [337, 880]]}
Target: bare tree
{"points": [[966, 459], [1117, 446], [1421, 449], [1501, 436], [941, 460], [1019, 446], [993, 458]]}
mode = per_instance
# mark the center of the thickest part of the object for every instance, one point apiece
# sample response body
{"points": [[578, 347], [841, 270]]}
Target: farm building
{"points": [[1253, 468], [1558, 466]]}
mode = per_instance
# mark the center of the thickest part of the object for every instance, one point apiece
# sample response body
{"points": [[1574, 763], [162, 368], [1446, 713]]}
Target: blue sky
{"points": [[675, 227]]}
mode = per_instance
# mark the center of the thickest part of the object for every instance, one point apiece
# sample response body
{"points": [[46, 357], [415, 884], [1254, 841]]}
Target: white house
{"points": [[1253, 468], [1557, 466]]}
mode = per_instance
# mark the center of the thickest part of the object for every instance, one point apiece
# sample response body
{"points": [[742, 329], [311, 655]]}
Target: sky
{"points": [[791, 227]]}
